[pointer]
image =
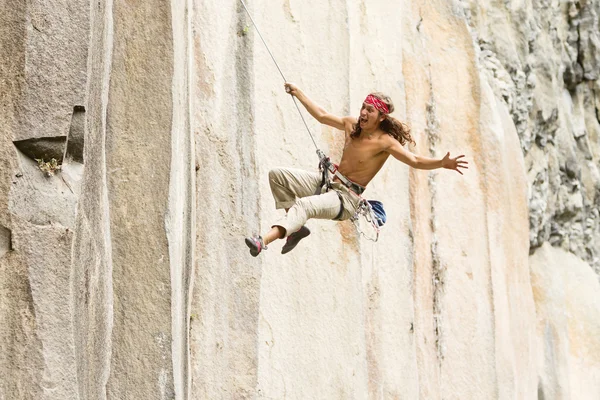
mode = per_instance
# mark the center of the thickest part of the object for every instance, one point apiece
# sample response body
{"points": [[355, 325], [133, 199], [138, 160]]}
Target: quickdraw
{"points": [[365, 209]]}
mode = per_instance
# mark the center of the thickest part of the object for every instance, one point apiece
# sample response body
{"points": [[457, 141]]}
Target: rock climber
{"points": [[370, 140]]}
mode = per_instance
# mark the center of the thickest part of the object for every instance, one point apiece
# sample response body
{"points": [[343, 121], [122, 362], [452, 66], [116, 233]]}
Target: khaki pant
{"points": [[295, 189]]}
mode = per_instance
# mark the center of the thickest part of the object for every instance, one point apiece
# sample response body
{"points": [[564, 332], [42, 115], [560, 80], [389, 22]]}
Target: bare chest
{"points": [[361, 151], [362, 159]]}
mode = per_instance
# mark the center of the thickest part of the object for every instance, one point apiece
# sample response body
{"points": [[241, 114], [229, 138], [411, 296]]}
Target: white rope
{"points": [[285, 80]]}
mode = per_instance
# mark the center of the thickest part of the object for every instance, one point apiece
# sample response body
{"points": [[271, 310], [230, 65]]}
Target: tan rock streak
{"points": [[462, 296], [180, 220], [138, 152], [91, 268]]}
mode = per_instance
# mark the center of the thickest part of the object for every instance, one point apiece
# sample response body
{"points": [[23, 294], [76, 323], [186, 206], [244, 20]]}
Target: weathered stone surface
{"points": [[137, 179], [91, 269], [21, 352], [43, 148], [567, 296], [75, 139], [45, 251], [40, 199], [132, 254], [225, 308], [125, 276], [555, 51], [53, 70], [42, 75], [5, 241]]}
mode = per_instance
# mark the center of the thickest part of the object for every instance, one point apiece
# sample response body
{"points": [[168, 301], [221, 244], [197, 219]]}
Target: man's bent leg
{"points": [[290, 188], [288, 184], [323, 206]]}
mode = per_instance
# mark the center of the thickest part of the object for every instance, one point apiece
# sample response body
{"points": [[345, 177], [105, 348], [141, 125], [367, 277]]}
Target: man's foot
{"points": [[294, 238], [255, 244]]}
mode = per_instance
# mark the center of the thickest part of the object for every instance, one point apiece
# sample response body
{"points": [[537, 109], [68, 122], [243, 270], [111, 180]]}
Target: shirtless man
{"points": [[370, 140]]}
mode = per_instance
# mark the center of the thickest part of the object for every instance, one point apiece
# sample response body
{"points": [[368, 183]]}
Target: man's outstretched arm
{"points": [[421, 162], [318, 112]]}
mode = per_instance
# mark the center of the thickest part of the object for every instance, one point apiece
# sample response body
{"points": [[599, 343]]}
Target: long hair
{"points": [[390, 125]]}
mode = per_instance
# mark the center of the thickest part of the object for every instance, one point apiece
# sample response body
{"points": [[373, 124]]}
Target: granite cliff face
{"points": [[123, 274]]}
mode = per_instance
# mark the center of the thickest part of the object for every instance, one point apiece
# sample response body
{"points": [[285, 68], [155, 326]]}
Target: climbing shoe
{"points": [[294, 238], [255, 244]]}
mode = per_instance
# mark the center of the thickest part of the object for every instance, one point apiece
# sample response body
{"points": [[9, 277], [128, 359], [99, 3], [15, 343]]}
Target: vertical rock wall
{"points": [[540, 59], [97, 254], [138, 160], [135, 246], [123, 273], [43, 75], [225, 300]]}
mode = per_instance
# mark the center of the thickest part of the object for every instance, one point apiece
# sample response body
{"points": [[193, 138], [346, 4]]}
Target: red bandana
{"points": [[377, 103]]}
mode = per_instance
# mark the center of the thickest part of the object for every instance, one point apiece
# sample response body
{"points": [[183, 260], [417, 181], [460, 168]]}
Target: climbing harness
{"points": [[326, 167], [371, 210]]}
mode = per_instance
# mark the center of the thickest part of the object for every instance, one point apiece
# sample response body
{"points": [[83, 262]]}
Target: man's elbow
{"points": [[408, 161], [414, 162]]}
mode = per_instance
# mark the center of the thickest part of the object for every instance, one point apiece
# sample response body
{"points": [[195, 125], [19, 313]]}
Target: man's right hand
{"points": [[291, 89], [314, 109]]}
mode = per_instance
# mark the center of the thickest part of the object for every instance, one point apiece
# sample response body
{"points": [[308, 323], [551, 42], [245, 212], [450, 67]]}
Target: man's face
{"points": [[370, 118]]}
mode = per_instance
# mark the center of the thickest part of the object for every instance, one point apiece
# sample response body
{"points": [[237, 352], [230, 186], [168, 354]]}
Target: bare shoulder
{"points": [[397, 150], [389, 142]]}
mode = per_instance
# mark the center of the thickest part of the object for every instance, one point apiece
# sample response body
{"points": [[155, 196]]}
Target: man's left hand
{"points": [[454, 163]]}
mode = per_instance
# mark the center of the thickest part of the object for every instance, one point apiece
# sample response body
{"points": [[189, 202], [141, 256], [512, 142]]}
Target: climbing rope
{"points": [[319, 152]]}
